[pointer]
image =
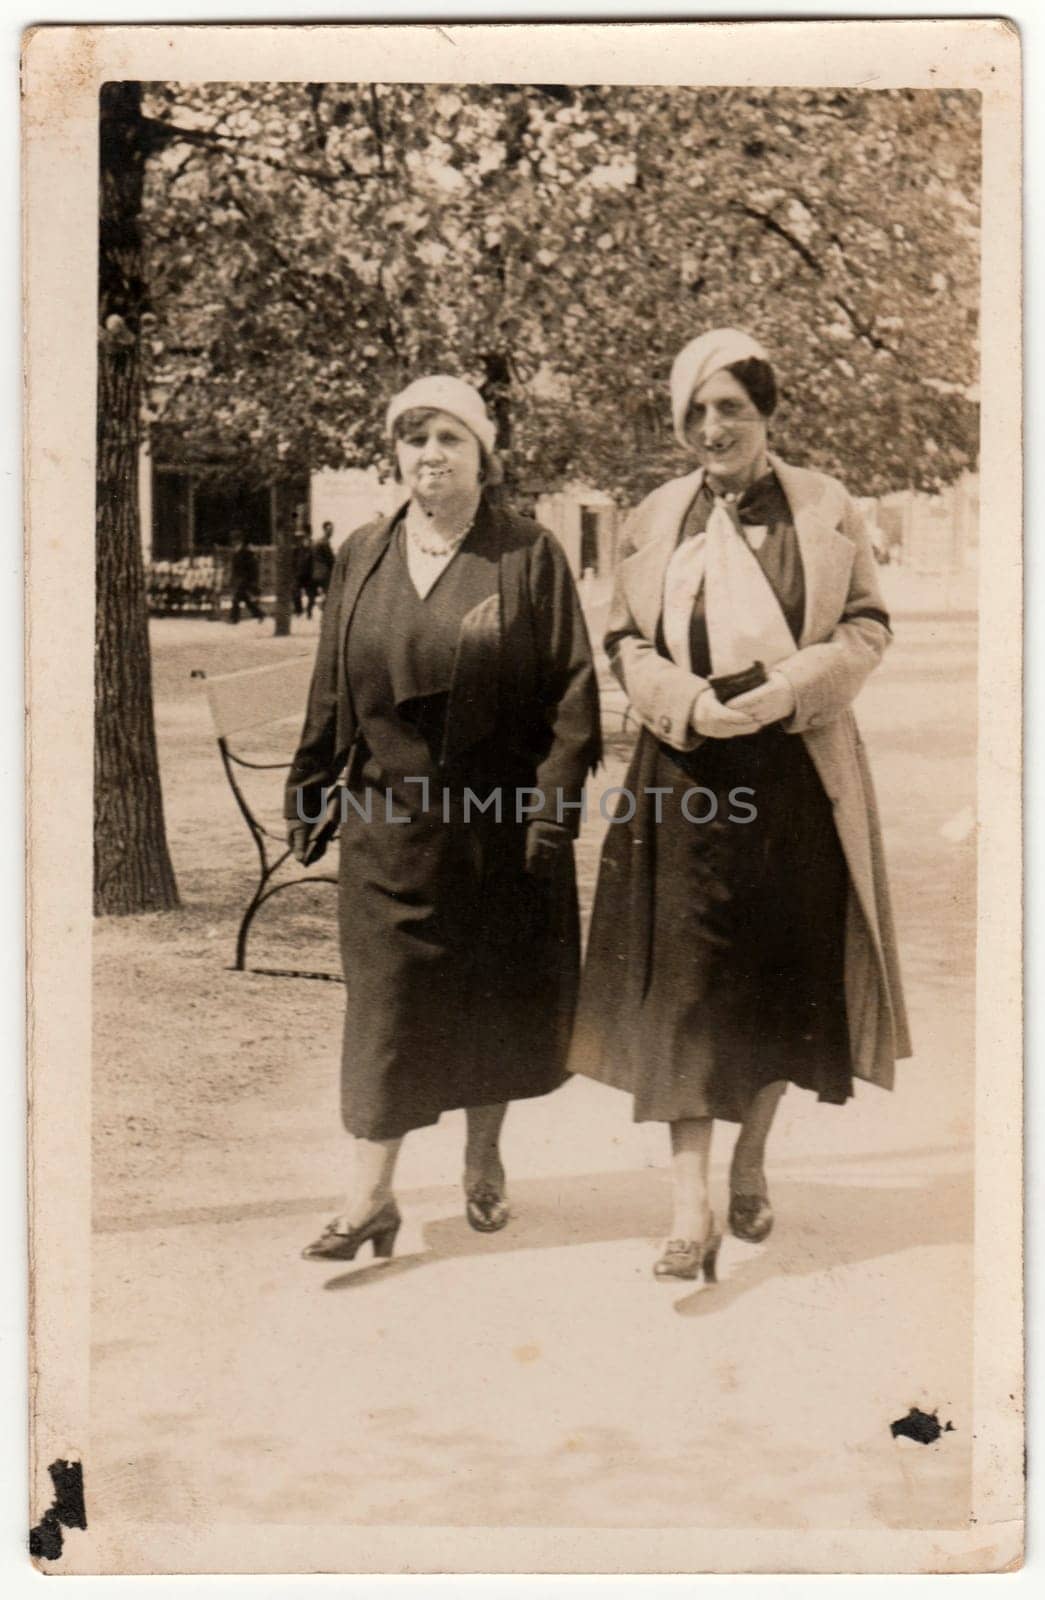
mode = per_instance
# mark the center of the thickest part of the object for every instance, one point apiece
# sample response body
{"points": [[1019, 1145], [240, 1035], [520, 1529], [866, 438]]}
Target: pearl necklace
{"points": [[446, 546]]}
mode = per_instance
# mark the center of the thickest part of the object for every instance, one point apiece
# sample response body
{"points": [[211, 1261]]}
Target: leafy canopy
{"points": [[312, 247]]}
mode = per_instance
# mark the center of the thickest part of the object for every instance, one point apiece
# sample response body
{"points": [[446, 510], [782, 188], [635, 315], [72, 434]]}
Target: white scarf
{"points": [[744, 621]]}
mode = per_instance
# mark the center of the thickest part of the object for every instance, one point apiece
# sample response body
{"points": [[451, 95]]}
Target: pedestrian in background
{"points": [[453, 661], [732, 953], [243, 571], [322, 564], [304, 590]]}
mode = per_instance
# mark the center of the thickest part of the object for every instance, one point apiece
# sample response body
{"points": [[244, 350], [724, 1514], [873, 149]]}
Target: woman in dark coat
{"points": [[454, 688], [741, 935]]}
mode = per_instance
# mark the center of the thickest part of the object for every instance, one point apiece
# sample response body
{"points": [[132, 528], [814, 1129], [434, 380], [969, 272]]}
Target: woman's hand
{"points": [[297, 838], [772, 701], [713, 720]]}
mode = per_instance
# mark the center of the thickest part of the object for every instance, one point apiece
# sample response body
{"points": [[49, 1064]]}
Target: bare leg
{"points": [[482, 1156], [373, 1168], [748, 1170], [690, 1153]]}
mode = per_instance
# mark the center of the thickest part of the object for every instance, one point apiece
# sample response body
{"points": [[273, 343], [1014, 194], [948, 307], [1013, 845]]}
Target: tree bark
{"points": [[497, 392], [132, 866], [284, 541]]}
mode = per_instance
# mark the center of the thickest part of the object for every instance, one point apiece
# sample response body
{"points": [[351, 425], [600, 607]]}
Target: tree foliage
{"points": [[311, 247]]}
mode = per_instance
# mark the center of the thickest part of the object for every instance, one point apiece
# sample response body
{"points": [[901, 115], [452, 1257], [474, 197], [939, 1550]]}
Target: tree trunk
{"points": [[132, 866], [496, 392], [284, 540]]}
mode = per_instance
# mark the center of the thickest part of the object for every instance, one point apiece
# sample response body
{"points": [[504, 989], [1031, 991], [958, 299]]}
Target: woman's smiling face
{"points": [[726, 430], [439, 458]]}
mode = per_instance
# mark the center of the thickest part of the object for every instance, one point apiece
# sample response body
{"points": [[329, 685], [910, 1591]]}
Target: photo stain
{"points": [[67, 1511], [920, 1426], [527, 1352]]}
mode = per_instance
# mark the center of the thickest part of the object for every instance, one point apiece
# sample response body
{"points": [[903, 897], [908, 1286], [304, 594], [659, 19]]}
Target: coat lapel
{"points": [[369, 546], [827, 555], [642, 574], [472, 709]]}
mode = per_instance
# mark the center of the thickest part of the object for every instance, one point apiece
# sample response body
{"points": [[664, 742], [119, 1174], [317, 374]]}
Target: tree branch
{"points": [[862, 329], [771, 225], [377, 129], [315, 92], [158, 134], [388, 330], [180, 169], [295, 298]]}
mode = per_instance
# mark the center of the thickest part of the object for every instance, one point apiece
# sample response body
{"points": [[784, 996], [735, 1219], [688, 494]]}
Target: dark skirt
{"points": [[716, 957], [460, 969]]}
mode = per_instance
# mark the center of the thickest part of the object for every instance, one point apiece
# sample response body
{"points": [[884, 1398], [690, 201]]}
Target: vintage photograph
{"points": [[538, 658]]}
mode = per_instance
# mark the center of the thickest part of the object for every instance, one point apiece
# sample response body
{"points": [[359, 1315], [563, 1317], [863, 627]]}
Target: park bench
{"points": [[260, 710]]}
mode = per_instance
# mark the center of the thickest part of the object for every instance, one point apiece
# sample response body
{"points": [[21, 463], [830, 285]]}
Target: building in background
{"points": [[189, 507], [350, 497], [933, 535], [586, 522]]}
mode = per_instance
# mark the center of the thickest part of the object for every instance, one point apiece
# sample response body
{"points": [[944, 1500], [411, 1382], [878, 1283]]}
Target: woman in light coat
{"points": [[741, 936]]}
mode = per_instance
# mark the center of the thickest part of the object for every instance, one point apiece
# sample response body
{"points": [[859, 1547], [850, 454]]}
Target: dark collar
{"points": [[762, 503]]}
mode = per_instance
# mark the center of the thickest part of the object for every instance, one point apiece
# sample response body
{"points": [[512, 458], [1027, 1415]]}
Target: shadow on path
{"points": [[820, 1226]]}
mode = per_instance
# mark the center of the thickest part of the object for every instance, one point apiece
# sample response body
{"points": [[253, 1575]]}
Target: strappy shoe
{"points": [[750, 1217], [486, 1207], [687, 1258], [334, 1244]]}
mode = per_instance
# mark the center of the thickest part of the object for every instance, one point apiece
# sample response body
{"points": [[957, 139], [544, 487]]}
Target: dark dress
{"points": [[728, 936], [461, 969]]}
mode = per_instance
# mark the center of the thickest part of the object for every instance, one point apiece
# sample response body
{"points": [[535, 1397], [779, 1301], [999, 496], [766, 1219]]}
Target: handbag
{"points": [[728, 685]]}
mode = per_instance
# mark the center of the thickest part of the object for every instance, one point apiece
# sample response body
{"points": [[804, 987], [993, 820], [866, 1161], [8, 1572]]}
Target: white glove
{"points": [[772, 701], [712, 720]]}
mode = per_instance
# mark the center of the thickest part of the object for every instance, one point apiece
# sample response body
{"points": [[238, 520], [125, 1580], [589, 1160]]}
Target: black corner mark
{"points": [[67, 1510], [920, 1426]]}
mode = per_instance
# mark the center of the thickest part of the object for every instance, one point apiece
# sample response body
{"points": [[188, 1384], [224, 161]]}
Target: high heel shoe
{"points": [[335, 1245], [687, 1258], [486, 1208], [750, 1217]]}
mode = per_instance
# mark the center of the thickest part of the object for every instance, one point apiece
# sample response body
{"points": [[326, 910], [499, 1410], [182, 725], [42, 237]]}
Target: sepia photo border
{"points": [[62, 70]]}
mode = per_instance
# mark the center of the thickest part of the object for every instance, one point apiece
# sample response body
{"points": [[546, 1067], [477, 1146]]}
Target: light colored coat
{"points": [[843, 638]]}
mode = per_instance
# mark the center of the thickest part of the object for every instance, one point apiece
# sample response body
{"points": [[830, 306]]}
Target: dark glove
{"points": [[309, 840], [297, 838], [545, 842]]}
